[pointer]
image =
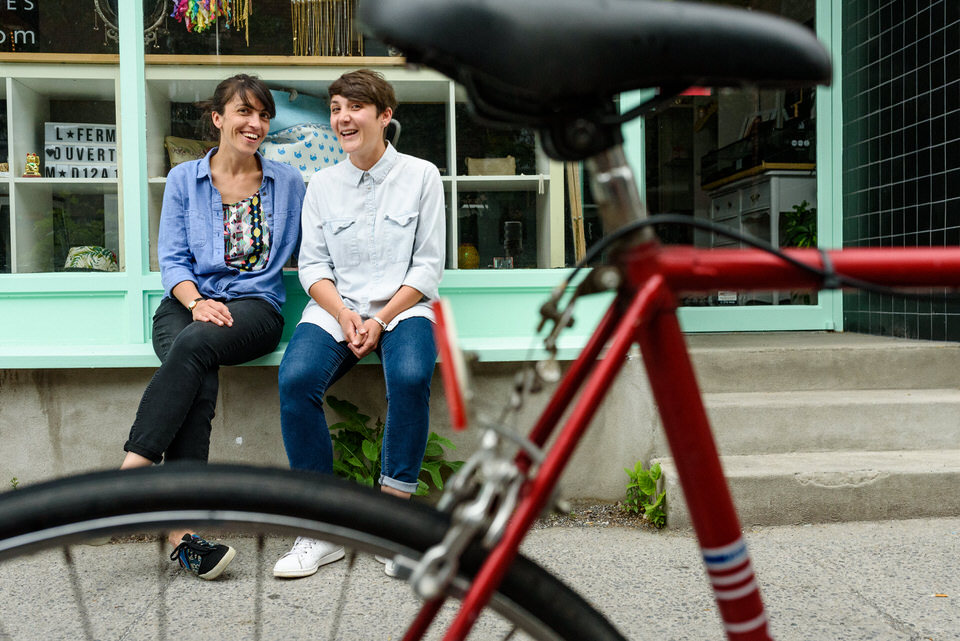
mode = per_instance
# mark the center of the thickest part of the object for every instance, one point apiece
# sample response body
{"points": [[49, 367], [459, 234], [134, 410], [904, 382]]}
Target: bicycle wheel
{"points": [[61, 513]]}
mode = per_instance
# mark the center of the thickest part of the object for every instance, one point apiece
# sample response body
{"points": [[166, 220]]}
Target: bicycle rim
{"points": [[52, 516]]}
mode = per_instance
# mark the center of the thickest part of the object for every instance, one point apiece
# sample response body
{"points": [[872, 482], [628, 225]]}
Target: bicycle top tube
{"points": [[526, 60]]}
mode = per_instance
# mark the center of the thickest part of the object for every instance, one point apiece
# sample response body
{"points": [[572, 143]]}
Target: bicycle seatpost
{"points": [[617, 197]]}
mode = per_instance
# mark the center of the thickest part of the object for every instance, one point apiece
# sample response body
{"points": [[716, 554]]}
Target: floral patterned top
{"points": [[246, 236]]}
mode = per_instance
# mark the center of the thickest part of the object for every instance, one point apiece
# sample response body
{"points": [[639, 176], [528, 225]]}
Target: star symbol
{"points": [[62, 173], [69, 134]]}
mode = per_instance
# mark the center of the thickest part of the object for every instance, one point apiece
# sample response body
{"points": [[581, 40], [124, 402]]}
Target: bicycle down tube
{"points": [[644, 312]]}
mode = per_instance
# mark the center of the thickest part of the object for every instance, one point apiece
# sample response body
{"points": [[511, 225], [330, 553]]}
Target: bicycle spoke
{"points": [[341, 599], [258, 586], [513, 630], [162, 558], [77, 593]]}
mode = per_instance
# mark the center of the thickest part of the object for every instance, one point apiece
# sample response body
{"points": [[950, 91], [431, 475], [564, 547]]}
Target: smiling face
{"points": [[360, 129], [243, 124]]}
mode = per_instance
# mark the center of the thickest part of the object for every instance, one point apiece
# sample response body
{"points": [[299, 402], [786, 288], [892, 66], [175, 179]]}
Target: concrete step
{"points": [[810, 487], [818, 421], [801, 361]]}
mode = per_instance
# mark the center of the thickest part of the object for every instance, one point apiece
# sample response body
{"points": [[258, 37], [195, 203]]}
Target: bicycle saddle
{"points": [[533, 62]]}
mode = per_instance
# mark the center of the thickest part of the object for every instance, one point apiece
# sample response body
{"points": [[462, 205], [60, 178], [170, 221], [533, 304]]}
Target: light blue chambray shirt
{"points": [[190, 244], [370, 232]]}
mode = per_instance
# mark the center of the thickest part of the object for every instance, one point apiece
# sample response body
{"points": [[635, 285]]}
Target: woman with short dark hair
{"points": [[371, 261]]}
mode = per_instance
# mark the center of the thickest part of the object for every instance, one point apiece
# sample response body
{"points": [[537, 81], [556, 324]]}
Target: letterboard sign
{"points": [[79, 150]]}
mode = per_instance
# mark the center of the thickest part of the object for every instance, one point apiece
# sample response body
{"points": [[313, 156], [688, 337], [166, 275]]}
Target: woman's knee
{"points": [[295, 379], [410, 378]]}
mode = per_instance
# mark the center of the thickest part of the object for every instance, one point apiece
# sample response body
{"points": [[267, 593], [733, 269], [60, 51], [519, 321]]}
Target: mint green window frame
{"points": [[103, 320]]}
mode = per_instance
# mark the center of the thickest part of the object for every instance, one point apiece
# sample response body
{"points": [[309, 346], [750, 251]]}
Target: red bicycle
{"points": [[560, 76]]}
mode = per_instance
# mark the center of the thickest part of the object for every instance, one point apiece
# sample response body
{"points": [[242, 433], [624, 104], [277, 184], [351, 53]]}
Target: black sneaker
{"points": [[206, 560]]}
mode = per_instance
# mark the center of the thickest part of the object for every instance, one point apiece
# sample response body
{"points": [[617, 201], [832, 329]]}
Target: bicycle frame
{"points": [[644, 312]]}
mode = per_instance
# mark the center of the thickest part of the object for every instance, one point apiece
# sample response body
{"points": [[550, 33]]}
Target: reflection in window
{"points": [[68, 231], [497, 230], [743, 159]]}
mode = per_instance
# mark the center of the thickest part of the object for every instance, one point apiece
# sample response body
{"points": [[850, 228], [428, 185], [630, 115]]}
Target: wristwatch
{"points": [[194, 303], [382, 325]]}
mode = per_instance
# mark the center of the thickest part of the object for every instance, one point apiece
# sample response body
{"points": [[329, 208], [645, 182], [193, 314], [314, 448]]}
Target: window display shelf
{"points": [[69, 223], [434, 125]]}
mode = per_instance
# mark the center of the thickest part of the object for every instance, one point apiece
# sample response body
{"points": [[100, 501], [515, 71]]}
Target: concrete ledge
{"points": [[872, 420], [783, 489], [795, 361]]}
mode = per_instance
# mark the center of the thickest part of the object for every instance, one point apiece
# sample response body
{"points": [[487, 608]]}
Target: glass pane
{"points": [[5, 257], [500, 200], [55, 26], [743, 159], [497, 230], [476, 143], [62, 212], [67, 228], [273, 27]]}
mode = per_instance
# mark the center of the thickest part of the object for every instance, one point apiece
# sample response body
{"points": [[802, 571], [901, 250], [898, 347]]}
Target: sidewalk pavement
{"points": [[890, 580]]}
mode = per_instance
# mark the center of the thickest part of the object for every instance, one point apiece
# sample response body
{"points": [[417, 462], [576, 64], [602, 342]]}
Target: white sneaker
{"points": [[389, 566], [305, 557]]}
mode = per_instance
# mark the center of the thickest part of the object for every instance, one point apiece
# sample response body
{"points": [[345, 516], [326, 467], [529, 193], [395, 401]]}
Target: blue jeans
{"points": [[173, 420], [313, 361]]}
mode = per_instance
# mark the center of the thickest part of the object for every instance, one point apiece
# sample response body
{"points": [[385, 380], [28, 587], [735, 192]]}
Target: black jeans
{"points": [[174, 416]]}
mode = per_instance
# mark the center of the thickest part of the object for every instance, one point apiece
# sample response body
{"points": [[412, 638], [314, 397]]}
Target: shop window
{"points": [[272, 27], [55, 26], [744, 159]]}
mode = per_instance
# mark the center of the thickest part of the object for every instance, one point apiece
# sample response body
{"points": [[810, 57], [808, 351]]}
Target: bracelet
{"points": [[340, 311], [382, 325]]}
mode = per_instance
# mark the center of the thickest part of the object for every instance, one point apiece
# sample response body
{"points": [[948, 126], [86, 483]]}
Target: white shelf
{"points": [[537, 183]]}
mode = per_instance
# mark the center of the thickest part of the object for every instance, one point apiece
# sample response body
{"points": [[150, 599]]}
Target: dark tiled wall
{"points": [[901, 148]]}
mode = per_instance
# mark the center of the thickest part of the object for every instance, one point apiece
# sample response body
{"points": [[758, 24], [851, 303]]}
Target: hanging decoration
{"points": [[106, 11], [200, 15], [325, 28]]}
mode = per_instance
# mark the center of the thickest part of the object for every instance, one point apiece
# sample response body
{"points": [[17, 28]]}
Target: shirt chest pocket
{"points": [[200, 241], [399, 234], [342, 241]]}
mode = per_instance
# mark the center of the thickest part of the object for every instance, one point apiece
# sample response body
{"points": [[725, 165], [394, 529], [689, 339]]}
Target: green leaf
{"points": [[433, 469], [371, 450], [433, 449], [655, 471], [442, 441], [422, 488], [647, 485]]}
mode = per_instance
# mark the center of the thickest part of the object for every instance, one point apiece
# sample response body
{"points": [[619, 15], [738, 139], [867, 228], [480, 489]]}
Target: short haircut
{"points": [[366, 86]]}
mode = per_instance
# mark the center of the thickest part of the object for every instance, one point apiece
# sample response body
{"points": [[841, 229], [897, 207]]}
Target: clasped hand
{"points": [[362, 336], [213, 311]]}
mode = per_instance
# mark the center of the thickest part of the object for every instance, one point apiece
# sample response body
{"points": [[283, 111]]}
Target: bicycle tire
{"points": [[70, 509]]}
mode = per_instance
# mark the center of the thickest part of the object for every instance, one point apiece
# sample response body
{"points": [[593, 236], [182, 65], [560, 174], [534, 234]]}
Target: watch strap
{"points": [[194, 303]]}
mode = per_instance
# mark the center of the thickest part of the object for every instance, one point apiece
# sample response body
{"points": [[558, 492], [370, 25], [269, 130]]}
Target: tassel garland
{"points": [[325, 28], [200, 15]]}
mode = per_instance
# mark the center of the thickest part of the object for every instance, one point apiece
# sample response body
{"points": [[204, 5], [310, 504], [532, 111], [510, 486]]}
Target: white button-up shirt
{"points": [[370, 232]]}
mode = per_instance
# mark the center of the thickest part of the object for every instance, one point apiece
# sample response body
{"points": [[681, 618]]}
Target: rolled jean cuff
{"points": [[398, 485], [130, 446]]}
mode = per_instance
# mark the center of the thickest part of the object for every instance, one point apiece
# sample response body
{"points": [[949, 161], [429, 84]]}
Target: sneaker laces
{"points": [[195, 544], [302, 545]]}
